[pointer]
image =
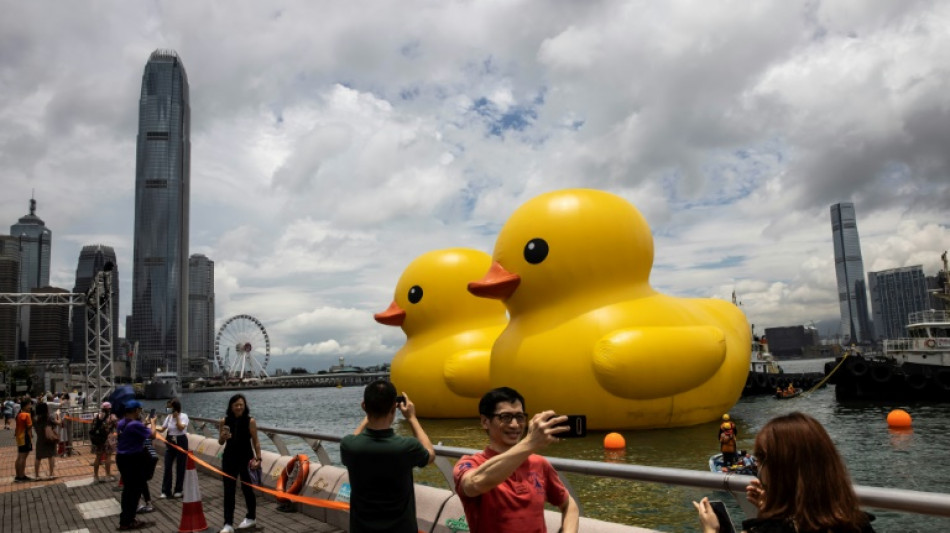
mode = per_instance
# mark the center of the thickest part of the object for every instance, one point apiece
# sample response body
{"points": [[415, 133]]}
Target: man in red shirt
{"points": [[24, 439], [504, 487]]}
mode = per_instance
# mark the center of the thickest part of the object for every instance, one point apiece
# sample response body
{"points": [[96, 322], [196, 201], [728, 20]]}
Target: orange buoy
{"points": [[614, 441], [899, 419]]}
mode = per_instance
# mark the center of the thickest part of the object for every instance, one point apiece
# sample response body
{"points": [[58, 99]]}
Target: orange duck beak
{"points": [[498, 283], [392, 316]]}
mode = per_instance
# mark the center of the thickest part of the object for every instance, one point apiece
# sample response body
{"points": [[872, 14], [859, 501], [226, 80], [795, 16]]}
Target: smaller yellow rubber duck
{"points": [[444, 364], [588, 335]]}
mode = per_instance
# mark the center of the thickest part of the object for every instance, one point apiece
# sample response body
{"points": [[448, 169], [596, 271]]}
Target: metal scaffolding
{"points": [[99, 379]]}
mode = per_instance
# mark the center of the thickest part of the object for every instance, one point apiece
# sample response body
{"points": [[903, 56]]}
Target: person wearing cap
{"points": [[131, 458], [103, 452]]}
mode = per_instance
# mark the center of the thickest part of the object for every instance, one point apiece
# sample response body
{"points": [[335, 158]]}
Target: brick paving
{"points": [[73, 503]]}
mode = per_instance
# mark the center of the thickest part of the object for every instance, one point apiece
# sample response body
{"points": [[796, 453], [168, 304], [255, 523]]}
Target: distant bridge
{"points": [[341, 379]]}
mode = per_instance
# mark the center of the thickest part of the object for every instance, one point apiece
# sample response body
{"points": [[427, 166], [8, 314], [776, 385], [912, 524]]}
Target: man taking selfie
{"points": [[382, 497], [504, 487]]}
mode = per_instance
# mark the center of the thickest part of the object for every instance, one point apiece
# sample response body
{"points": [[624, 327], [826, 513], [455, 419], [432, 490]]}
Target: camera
{"points": [[400, 400], [577, 427]]}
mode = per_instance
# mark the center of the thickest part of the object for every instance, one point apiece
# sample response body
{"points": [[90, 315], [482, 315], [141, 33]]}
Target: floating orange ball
{"points": [[898, 418], [614, 441]]}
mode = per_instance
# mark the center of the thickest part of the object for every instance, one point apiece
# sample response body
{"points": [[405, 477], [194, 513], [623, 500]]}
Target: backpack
{"points": [[98, 434]]}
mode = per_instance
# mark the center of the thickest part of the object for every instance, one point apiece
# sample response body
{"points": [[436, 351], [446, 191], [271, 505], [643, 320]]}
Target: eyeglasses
{"points": [[506, 418]]}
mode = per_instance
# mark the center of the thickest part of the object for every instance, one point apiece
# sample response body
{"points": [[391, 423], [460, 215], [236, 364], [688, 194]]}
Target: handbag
{"points": [[255, 473], [51, 434]]}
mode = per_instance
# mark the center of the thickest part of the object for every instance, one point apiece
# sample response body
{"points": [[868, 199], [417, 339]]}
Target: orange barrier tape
{"points": [[316, 502]]}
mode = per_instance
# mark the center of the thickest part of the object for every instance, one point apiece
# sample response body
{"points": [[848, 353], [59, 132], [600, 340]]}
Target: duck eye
{"points": [[535, 251], [415, 294]]}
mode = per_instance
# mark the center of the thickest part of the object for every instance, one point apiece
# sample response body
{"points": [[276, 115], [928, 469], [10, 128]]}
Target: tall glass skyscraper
{"points": [[92, 259], [9, 282], [849, 270], [200, 315], [159, 320], [35, 245], [895, 294]]}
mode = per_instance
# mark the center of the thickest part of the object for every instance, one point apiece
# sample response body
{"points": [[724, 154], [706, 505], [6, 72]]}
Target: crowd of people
{"points": [[503, 488]]}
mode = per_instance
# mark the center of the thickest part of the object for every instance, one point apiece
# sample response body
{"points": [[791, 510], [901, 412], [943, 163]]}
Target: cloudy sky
{"points": [[334, 142]]}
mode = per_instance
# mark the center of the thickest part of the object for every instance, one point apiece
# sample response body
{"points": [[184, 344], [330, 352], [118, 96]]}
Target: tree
{"points": [[299, 370]]}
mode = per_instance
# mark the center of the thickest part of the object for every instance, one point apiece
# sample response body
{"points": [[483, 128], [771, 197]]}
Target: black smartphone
{"points": [[151, 414], [577, 427], [400, 399], [725, 521]]}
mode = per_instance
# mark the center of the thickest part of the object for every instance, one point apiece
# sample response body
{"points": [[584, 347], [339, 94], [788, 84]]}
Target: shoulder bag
{"points": [[51, 434]]}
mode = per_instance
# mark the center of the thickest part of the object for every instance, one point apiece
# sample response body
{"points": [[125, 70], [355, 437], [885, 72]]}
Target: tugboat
{"points": [[163, 386], [766, 376], [915, 368]]}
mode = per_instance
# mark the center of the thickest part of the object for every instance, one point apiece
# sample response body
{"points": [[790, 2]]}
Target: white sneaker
{"points": [[177, 495], [247, 523], [227, 529]]}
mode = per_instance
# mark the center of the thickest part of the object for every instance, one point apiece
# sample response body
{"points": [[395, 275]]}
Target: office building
{"points": [[92, 260], [35, 241], [200, 316], [896, 293], [849, 270], [49, 329], [9, 282], [791, 341], [159, 318]]}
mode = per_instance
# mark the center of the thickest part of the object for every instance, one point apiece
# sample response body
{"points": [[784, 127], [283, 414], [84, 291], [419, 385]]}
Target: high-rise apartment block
{"points": [[895, 294], [92, 260], [200, 315], [849, 270], [9, 282], [35, 241], [159, 319]]}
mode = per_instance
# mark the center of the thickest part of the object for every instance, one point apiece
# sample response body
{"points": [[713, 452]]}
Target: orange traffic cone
{"points": [[192, 514]]}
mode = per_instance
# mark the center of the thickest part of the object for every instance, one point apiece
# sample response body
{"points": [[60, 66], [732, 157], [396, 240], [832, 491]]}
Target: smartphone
{"points": [[577, 427], [400, 399], [725, 521], [151, 414]]}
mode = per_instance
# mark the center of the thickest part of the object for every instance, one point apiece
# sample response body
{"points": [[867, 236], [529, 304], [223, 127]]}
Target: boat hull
{"points": [[160, 391], [762, 383], [860, 378]]}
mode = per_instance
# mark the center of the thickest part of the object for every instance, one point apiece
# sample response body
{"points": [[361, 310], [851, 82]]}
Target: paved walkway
{"points": [[73, 503]]}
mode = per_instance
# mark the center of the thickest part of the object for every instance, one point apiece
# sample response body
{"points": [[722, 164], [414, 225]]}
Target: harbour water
{"points": [[919, 460]]}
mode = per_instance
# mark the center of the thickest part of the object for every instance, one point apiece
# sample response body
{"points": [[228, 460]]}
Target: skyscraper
{"points": [[895, 294], [49, 328], [159, 320], [35, 241], [92, 259], [200, 315], [849, 270], [9, 282]]}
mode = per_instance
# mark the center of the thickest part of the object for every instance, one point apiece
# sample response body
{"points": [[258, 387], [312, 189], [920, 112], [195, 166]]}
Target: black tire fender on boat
{"points": [[928, 373], [773, 382], [943, 378], [916, 381], [761, 380], [881, 373], [858, 367]]}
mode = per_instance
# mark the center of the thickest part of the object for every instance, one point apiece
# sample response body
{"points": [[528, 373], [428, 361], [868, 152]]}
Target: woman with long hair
{"points": [[243, 450], [45, 448], [803, 484]]}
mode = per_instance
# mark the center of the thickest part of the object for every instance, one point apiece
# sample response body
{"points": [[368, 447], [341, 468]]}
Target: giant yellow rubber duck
{"points": [[588, 335], [444, 364]]}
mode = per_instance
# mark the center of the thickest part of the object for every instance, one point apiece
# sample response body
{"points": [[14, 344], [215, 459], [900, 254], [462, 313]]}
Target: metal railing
{"points": [[911, 501]]}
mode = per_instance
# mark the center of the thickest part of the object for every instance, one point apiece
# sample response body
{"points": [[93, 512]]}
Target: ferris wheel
{"points": [[242, 348]]}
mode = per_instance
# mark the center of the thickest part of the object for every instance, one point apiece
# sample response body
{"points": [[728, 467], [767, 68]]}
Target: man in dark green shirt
{"points": [[380, 463]]}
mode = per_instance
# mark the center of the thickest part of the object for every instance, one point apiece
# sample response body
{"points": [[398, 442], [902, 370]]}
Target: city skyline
{"points": [[332, 145], [159, 314]]}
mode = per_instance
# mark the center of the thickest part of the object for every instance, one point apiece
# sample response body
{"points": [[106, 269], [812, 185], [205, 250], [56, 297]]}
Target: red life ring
{"points": [[931, 343], [302, 475]]}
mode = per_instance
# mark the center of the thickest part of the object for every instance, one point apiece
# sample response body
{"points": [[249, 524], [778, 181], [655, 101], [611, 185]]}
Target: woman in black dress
{"points": [[239, 431], [45, 448]]}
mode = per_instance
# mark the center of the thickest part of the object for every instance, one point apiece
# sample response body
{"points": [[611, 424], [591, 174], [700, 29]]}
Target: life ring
{"points": [[931, 343], [304, 472], [858, 368]]}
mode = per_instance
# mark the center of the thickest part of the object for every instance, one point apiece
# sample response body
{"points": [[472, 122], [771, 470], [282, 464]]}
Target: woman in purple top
{"points": [[131, 458]]}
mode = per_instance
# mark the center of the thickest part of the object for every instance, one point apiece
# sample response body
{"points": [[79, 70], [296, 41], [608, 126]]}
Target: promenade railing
{"points": [[911, 501]]}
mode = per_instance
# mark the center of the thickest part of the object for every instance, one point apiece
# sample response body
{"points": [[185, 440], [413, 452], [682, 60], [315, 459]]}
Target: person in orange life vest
{"points": [[726, 420], [727, 444], [503, 488]]}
